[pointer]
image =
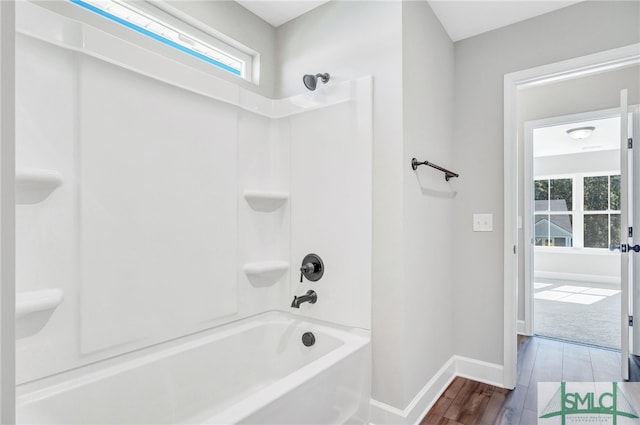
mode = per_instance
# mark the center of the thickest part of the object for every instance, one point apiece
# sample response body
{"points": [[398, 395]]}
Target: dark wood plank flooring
{"points": [[467, 402]]}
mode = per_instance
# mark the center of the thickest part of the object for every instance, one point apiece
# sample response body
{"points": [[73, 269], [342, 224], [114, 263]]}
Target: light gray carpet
{"points": [[595, 324]]}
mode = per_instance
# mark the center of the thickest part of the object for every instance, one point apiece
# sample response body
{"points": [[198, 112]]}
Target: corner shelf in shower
{"points": [[34, 185], [34, 309], [265, 201], [263, 273]]}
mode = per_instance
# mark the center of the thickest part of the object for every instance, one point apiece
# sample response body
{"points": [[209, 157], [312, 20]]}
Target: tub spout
{"points": [[311, 297]]}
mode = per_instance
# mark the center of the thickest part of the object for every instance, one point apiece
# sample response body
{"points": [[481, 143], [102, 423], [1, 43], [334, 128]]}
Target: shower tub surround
{"points": [[164, 216], [248, 372]]}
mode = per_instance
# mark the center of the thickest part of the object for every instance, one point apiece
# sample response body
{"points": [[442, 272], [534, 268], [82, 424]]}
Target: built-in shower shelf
{"points": [[263, 273], [265, 201], [34, 185], [34, 309]]}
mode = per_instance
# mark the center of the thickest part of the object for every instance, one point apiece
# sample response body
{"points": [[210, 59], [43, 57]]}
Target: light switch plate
{"points": [[483, 222]]}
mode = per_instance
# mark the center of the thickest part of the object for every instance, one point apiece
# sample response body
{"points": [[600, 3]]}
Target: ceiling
{"points": [[464, 19], [277, 12], [548, 141], [459, 18]]}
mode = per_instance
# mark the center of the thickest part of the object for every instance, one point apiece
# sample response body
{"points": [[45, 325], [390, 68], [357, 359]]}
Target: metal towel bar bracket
{"points": [[447, 174]]}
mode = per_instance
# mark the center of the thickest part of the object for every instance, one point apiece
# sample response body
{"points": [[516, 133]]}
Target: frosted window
{"points": [[151, 26]]}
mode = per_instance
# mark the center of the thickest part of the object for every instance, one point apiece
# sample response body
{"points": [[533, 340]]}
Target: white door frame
{"points": [[527, 213], [546, 74]]}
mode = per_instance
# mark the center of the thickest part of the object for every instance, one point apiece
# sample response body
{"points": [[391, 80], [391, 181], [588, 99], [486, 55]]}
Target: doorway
{"points": [[515, 319], [572, 210]]}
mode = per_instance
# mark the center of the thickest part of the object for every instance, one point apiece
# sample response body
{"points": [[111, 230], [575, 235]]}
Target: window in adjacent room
{"points": [[601, 211], [554, 212]]}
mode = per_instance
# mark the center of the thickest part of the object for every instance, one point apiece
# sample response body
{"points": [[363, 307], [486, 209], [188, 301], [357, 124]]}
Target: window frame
{"points": [[577, 211], [608, 212], [549, 212], [189, 29]]}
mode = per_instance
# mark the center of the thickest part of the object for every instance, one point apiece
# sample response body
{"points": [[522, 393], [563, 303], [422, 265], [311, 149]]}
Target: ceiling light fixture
{"points": [[580, 133]]}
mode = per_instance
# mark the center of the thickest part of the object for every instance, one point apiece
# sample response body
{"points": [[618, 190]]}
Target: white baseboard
{"points": [[520, 327], [578, 277], [382, 413], [477, 370]]}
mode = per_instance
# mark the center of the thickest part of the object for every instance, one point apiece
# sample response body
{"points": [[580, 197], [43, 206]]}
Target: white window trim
{"points": [[250, 57], [197, 32], [578, 212], [543, 248]]}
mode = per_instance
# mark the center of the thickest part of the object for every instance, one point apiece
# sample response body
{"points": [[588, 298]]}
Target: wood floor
{"points": [[467, 402]]}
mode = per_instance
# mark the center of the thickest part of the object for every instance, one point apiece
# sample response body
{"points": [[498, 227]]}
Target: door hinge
{"points": [[630, 320], [630, 231], [630, 143], [515, 251]]}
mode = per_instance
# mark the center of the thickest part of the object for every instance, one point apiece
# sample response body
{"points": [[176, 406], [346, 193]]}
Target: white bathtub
{"points": [[255, 371]]}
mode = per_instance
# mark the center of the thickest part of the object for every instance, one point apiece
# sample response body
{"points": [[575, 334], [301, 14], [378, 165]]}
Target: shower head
{"points": [[311, 81]]}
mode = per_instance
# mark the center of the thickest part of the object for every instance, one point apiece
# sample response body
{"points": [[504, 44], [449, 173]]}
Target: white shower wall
{"points": [[158, 208], [263, 167], [46, 248], [150, 234], [331, 208]]}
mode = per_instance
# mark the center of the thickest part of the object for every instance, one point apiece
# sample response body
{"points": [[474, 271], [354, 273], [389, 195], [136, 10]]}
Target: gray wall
{"points": [[428, 304], [405, 48], [481, 63]]}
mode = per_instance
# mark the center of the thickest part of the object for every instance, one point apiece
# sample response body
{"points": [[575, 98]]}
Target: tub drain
{"points": [[308, 339]]}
